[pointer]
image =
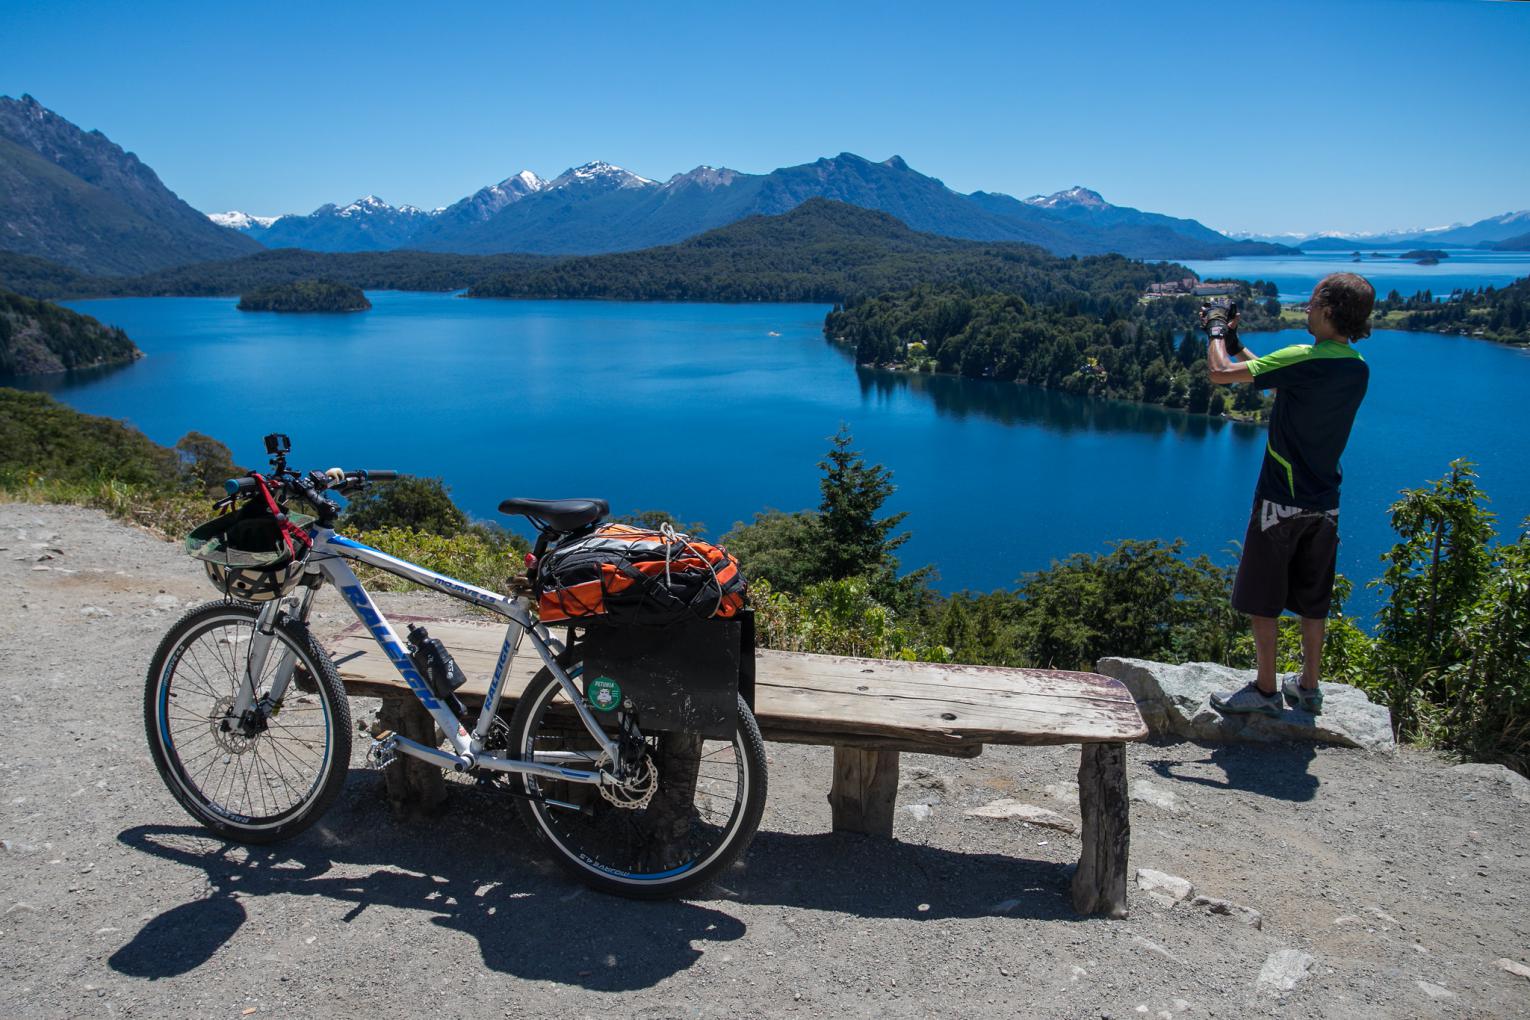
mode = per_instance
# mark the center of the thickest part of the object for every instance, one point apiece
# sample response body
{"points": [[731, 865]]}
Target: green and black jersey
{"points": [[1318, 389]]}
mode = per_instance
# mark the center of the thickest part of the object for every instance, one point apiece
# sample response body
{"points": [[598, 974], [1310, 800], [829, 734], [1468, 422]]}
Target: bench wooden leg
{"points": [[865, 790], [414, 786], [1099, 885]]}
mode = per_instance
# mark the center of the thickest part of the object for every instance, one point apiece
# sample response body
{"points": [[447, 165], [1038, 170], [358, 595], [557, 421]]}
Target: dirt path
{"points": [[1402, 881]]}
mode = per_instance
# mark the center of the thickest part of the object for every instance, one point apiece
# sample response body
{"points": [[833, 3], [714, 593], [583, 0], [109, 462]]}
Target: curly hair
{"points": [[1347, 298]]}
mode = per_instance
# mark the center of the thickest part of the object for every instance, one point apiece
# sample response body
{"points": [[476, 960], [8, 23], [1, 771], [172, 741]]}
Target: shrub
{"points": [[838, 617], [409, 503]]}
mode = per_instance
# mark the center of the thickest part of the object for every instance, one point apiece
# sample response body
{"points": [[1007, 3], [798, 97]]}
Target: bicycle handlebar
{"points": [[335, 479]]}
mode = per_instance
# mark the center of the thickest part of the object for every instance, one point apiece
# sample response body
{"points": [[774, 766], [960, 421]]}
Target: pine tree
{"points": [[855, 542]]}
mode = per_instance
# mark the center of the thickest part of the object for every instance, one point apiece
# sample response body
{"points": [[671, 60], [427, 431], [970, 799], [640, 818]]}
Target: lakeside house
{"points": [[1189, 285]]}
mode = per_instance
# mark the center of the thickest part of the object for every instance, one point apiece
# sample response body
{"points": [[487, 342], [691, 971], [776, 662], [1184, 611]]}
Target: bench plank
{"points": [[931, 704]]}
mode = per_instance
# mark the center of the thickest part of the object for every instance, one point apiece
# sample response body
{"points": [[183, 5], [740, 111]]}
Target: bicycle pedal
{"points": [[381, 753]]}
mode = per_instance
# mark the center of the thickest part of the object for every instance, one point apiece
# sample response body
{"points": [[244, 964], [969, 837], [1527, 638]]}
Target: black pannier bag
{"points": [[684, 677]]}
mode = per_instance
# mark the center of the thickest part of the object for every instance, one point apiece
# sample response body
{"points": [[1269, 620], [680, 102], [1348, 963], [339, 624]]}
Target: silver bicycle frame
{"points": [[329, 557]]}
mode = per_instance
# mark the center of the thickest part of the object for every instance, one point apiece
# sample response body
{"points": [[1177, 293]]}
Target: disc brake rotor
{"points": [[224, 729], [635, 793]]}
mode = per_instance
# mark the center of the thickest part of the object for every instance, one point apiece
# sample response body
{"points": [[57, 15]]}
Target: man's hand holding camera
{"points": [[1221, 324]]}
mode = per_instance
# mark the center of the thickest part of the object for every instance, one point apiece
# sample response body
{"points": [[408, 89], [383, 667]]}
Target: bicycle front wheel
{"points": [[700, 815], [257, 781]]}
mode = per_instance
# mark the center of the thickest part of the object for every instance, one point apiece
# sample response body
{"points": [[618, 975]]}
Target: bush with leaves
{"points": [[837, 617], [409, 502], [1142, 599], [478, 555], [1452, 656]]}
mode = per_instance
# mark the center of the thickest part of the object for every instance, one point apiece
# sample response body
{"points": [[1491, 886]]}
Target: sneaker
{"points": [[1247, 700], [1298, 696]]}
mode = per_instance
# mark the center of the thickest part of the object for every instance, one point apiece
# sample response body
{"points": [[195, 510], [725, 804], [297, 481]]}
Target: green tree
{"points": [[778, 547], [1433, 579], [207, 461], [855, 541], [1191, 349], [418, 504], [653, 520], [1141, 599]]}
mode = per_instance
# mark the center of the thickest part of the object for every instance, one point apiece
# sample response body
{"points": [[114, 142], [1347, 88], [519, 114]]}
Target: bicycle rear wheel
{"points": [[702, 814], [261, 781]]}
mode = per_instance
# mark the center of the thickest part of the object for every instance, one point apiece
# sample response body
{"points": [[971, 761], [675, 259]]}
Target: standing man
{"points": [[1293, 533]]}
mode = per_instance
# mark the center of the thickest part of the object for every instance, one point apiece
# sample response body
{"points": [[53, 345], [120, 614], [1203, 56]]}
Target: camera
{"points": [[1221, 321]]}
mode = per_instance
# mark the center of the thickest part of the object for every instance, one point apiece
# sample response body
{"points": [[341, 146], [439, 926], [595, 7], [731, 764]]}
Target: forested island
{"points": [[1425, 256], [39, 338], [1491, 313], [306, 296]]}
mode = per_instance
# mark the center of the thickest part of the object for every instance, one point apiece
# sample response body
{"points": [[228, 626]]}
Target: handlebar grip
{"points": [[380, 476], [239, 486]]}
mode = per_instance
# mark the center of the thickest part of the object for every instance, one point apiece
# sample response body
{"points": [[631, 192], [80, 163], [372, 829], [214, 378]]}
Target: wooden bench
{"points": [[868, 710]]}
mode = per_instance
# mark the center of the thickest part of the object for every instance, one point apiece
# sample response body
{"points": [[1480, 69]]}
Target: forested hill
{"points": [[37, 338], [828, 251], [383, 270]]}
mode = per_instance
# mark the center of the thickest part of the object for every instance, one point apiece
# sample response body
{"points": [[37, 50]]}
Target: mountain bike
{"points": [[249, 725]]}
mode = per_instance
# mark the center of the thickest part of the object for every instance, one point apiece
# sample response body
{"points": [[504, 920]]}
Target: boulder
{"points": [[1284, 969], [1518, 785], [1021, 811], [1173, 887], [1176, 701]]}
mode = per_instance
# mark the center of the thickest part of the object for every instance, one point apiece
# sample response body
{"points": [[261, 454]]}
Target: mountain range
{"points": [[1484, 233], [600, 208], [75, 198]]}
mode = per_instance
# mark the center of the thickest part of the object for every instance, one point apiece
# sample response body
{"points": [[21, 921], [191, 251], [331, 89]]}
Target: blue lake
{"points": [[1294, 275], [699, 410]]}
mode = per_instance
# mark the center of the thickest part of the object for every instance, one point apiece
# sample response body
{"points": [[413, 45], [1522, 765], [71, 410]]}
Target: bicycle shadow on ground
{"points": [[470, 872], [474, 870], [1280, 771]]}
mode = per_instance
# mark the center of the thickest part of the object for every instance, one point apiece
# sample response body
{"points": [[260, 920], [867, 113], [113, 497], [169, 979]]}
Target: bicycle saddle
{"points": [[558, 514]]}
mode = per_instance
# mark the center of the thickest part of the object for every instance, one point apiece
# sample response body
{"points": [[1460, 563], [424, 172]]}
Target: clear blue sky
{"points": [[1247, 116]]}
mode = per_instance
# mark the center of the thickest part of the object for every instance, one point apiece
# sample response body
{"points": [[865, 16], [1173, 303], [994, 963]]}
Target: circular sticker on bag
{"points": [[604, 694]]}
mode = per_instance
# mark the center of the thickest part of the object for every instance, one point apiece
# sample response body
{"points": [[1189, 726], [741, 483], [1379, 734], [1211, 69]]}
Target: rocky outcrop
{"points": [[1176, 701]]}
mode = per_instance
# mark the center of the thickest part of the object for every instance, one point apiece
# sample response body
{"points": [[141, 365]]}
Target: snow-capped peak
{"points": [[599, 173], [524, 182], [1076, 195], [365, 204], [705, 176], [236, 220]]}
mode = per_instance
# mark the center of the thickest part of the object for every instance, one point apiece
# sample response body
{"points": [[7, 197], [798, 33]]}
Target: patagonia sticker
{"points": [[604, 694]]}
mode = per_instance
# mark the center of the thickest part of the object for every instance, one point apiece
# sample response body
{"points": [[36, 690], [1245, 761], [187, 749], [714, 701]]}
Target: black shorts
{"points": [[1288, 561]]}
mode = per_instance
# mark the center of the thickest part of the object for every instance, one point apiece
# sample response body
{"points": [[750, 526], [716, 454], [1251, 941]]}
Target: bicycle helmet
{"points": [[247, 552]]}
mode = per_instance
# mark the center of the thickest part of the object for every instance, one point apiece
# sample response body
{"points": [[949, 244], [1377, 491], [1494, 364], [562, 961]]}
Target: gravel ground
{"points": [[1403, 882]]}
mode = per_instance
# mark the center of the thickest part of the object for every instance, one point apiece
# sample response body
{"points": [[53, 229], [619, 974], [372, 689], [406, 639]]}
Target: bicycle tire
{"points": [[669, 870], [180, 668]]}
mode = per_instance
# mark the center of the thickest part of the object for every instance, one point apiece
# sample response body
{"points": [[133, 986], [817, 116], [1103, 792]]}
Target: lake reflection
{"points": [[1052, 411]]}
